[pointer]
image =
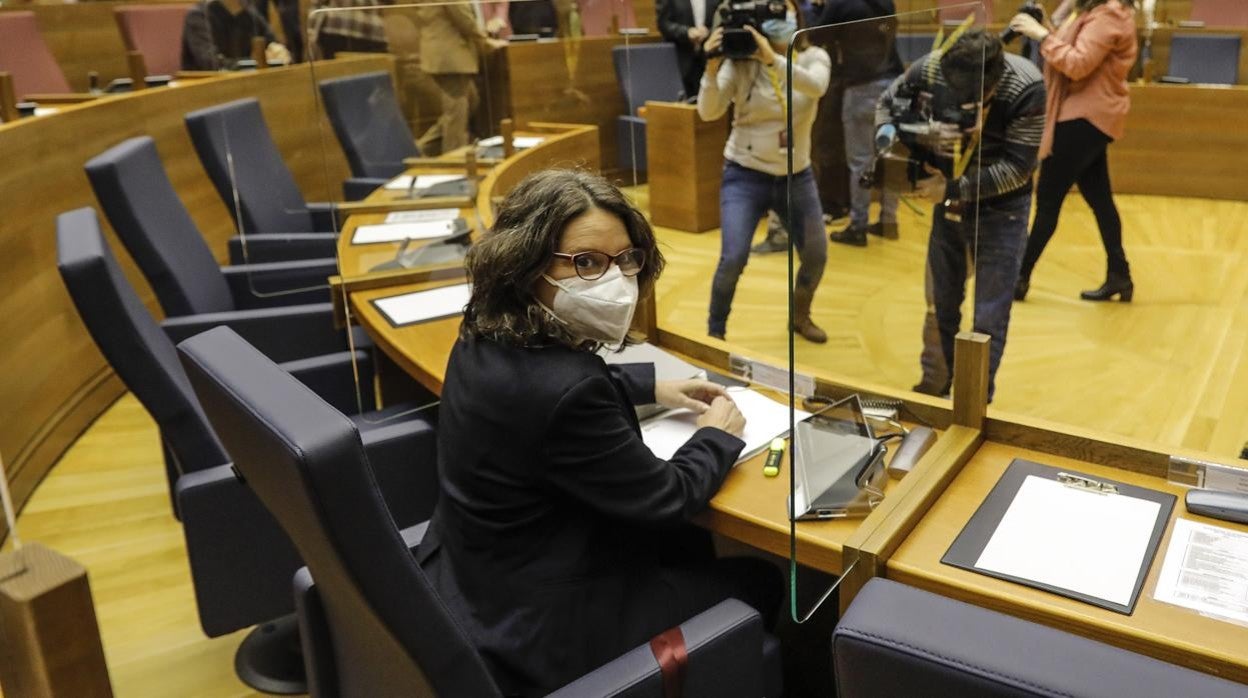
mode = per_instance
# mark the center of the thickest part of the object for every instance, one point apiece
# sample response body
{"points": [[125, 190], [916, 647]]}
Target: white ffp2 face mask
{"points": [[600, 310]]}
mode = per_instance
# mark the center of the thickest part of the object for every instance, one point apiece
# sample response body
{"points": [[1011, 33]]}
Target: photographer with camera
{"points": [[972, 116], [754, 80], [1086, 62]]}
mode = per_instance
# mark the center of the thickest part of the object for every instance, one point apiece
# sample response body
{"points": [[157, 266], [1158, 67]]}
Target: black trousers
{"points": [[1079, 157]]}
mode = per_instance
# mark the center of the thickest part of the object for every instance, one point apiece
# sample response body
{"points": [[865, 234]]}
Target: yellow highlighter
{"points": [[771, 467]]}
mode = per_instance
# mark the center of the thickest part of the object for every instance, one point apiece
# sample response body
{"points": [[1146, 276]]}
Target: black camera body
{"points": [[736, 15], [916, 114], [1032, 9]]}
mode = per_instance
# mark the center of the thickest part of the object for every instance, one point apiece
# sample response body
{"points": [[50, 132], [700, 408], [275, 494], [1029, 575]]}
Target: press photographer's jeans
{"points": [[744, 198], [997, 254], [858, 119]]}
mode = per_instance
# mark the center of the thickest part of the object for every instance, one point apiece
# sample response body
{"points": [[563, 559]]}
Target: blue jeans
{"points": [[744, 198], [997, 257], [858, 119]]}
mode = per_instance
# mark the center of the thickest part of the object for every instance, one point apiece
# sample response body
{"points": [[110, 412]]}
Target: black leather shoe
{"points": [[1115, 285], [850, 236], [888, 231], [932, 389], [716, 335], [1021, 287]]}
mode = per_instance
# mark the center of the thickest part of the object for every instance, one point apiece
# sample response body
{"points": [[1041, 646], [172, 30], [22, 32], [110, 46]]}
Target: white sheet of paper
{"points": [[433, 214], [520, 142], [666, 366], [425, 305], [1206, 570], [765, 419], [404, 182], [396, 232], [1081, 541]]}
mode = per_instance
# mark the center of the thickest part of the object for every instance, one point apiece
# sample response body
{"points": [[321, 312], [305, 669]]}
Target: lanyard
{"points": [[775, 86], [962, 160]]}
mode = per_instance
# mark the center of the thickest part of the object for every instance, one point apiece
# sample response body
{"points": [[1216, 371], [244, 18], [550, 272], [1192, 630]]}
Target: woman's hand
{"points": [[695, 395], [724, 415], [1028, 27], [764, 54], [712, 46]]}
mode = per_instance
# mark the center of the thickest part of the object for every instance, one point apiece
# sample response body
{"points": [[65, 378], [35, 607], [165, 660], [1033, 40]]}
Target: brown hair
{"points": [[506, 264], [975, 52]]}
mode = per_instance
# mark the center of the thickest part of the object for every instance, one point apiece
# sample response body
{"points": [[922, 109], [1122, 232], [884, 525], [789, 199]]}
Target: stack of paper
{"points": [[433, 214], [397, 232], [422, 306], [519, 142], [422, 182], [765, 419]]}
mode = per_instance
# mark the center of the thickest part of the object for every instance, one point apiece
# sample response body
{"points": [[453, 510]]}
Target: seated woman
{"points": [[560, 541]]}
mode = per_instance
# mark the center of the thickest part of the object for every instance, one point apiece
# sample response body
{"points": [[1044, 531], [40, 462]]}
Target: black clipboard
{"points": [[970, 543]]}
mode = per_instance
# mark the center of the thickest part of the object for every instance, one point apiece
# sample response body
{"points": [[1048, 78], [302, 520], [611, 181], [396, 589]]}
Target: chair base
{"points": [[270, 659]]}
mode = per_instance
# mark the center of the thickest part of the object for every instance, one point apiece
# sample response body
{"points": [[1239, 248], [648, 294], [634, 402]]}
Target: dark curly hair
{"points": [[508, 261], [975, 62]]}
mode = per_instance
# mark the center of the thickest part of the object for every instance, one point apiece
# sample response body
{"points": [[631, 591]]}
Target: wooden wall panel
{"points": [[53, 381]]}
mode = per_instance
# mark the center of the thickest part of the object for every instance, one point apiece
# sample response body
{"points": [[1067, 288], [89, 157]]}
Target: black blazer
{"points": [[550, 523], [674, 18]]}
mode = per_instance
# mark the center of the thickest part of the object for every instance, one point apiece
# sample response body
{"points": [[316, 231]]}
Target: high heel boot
{"points": [[802, 324], [1116, 284]]}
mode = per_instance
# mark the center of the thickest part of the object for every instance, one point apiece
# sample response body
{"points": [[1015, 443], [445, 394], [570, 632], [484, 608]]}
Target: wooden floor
{"points": [[1171, 367]]}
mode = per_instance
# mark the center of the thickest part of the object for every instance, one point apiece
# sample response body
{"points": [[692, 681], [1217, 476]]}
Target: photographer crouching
{"points": [[754, 80], [972, 117]]}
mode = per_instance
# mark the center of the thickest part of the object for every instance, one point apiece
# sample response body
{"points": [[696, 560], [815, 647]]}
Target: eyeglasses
{"points": [[592, 265]]}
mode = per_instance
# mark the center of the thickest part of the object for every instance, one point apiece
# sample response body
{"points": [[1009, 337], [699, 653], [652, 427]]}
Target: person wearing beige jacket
{"points": [[452, 40], [1086, 61]]}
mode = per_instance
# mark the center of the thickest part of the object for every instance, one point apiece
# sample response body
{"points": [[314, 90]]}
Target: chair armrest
{"points": [[323, 216], [241, 560], [356, 188], [725, 647], [314, 637], [282, 247], [282, 334], [334, 379], [403, 455], [279, 284]]}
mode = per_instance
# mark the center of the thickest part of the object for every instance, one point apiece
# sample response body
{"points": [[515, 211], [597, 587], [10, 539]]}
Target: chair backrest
{"points": [[132, 342], [1220, 13], [154, 31], [149, 218], [25, 55], [895, 640], [391, 634], [369, 124], [648, 72], [951, 10], [596, 16], [238, 152], [911, 47], [1205, 58]]}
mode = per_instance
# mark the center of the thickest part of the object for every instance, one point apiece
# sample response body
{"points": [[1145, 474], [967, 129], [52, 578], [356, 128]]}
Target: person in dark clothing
{"points": [[533, 17], [218, 33], [559, 541], [865, 61], [687, 23], [980, 183]]}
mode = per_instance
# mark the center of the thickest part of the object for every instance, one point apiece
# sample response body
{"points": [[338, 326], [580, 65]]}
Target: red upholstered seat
{"points": [[25, 55], [596, 16], [1220, 13], [156, 32]]}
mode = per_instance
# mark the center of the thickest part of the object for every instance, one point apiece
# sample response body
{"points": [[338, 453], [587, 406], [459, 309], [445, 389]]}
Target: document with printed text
{"points": [[1206, 570]]}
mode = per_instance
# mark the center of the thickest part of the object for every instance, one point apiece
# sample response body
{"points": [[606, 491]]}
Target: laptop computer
{"points": [[838, 464]]}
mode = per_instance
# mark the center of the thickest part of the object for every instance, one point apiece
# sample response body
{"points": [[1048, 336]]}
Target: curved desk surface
{"points": [[53, 381], [905, 537]]}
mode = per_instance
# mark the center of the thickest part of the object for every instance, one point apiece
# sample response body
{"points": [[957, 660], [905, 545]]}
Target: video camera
{"points": [[918, 116], [736, 15]]}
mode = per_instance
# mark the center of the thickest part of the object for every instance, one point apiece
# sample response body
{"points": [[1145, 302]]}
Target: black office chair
{"points": [[373, 625], [370, 126], [646, 73], [1210, 59], [241, 561], [895, 640], [238, 152], [149, 218]]}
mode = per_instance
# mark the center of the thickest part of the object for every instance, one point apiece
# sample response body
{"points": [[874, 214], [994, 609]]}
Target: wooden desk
{"points": [[1164, 631], [53, 381], [566, 81], [686, 156]]}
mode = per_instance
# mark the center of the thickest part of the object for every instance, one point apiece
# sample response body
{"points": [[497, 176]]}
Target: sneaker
{"points": [[774, 242], [850, 236], [888, 231]]}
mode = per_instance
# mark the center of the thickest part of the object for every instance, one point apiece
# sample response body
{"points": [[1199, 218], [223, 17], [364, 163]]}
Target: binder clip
{"points": [[1084, 483]]}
